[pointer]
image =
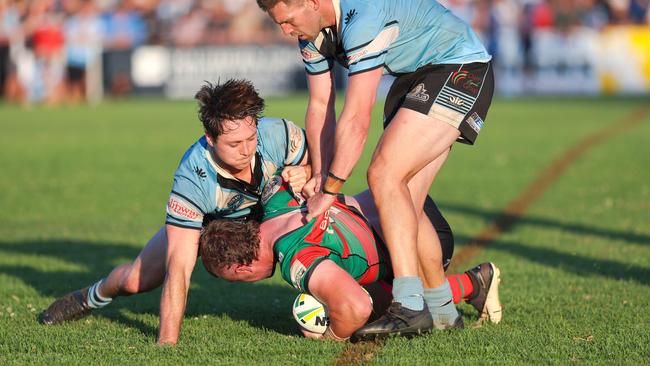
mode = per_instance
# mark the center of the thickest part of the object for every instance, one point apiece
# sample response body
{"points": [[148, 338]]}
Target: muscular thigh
{"points": [[411, 144], [149, 266]]}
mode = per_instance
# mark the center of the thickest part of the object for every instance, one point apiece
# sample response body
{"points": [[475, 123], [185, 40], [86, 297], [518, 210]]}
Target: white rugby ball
{"points": [[310, 313]]}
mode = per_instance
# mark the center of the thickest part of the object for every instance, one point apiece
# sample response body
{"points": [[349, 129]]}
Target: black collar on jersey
{"points": [[252, 188]]}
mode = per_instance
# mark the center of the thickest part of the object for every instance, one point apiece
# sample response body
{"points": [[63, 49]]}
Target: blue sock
{"points": [[408, 291], [441, 305]]}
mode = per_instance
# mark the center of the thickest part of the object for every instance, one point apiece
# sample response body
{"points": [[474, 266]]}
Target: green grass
{"points": [[83, 188]]}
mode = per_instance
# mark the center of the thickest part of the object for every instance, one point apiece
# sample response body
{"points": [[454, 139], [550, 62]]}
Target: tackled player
{"points": [[330, 257]]}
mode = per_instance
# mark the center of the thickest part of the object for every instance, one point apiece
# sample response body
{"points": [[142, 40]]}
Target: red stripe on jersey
{"points": [[369, 276], [317, 232], [346, 246], [361, 231], [308, 255]]}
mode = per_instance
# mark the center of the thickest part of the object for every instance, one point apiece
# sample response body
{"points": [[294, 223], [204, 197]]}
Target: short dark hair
{"points": [[265, 5], [226, 242], [234, 99]]}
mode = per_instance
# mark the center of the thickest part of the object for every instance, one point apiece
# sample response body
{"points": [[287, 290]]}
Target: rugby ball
{"points": [[310, 314]]}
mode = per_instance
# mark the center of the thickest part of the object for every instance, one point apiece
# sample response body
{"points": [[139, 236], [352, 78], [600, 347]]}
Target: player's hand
{"points": [[319, 203], [296, 176], [312, 186]]}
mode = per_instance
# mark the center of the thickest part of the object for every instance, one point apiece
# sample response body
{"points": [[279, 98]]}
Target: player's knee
{"points": [[130, 283], [377, 178], [360, 310]]}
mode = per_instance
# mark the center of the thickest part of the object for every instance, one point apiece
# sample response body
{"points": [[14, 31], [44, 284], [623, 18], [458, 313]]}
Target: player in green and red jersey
{"points": [[330, 257]]}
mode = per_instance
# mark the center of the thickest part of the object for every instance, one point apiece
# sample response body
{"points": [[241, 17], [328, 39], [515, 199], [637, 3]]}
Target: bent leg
{"points": [[399, 187], [390, 179], [145, 273]]}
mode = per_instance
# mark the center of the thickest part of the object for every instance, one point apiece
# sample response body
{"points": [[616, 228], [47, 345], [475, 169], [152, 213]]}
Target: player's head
{"points": [[296, 18], [229, 112], [230, 249], [233, 100]]}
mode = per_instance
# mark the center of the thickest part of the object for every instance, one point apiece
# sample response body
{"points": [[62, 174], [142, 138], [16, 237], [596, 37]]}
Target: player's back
{"points": [[341, 235], [398, 35]]}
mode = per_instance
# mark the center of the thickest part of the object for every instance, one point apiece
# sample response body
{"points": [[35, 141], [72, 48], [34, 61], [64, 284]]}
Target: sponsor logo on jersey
{"points": [[349, 16], [356, 56], [467, 81], [297, 272], [179, 208], [271, 187], [308, 55], [235, 201], [419, 93], [200, 172]]}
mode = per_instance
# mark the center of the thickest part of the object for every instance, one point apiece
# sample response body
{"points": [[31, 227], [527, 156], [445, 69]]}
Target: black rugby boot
{"points": [[72, 306], [397, 320]]}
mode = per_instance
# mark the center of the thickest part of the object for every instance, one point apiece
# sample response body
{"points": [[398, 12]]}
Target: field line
{"points": [[517, 207], [364, 353]]}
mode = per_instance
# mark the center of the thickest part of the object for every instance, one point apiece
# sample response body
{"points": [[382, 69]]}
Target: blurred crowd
{"points": [[47, 46]]}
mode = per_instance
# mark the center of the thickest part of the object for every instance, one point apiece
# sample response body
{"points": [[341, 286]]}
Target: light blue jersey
{"points": [[398, 35], [202, 188]]}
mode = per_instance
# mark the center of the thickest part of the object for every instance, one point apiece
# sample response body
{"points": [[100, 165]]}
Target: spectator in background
{"points": [[639, 11], [124, 29], [592, 13], [9, 24], [83, 34], [189, 29], [43, 76], [166, 13]]}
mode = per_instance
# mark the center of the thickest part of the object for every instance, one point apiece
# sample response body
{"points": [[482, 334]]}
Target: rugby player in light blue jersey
{"points": [[441, 94], [220, 176]]}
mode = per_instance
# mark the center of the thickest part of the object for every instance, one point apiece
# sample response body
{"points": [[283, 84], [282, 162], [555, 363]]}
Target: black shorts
{"points": [[75, 73], [457, 94]]}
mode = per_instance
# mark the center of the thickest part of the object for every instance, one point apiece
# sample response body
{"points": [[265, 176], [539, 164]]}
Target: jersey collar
{"points": [[226, 179]]}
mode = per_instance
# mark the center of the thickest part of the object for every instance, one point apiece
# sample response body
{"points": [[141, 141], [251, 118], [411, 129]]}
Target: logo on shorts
{"points": [[475, 122], [297, 273], [456, 101], [418, 93], [467, 81]]}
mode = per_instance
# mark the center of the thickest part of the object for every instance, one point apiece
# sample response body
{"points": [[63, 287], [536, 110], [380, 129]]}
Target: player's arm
{"points": [[348, 304], [354, 122], [182, 251], [320, 121]]}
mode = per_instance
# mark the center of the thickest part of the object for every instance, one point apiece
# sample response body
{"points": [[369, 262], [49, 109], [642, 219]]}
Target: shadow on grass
{"points": [[578, 264], [580, 229], [208, 295]]}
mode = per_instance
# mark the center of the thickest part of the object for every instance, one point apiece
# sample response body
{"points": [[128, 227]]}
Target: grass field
{"points": [[83, 188]]}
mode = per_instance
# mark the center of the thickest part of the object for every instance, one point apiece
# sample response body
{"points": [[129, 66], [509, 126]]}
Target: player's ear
{"points": [[314, 4], [243, 268], [209, 139]]}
